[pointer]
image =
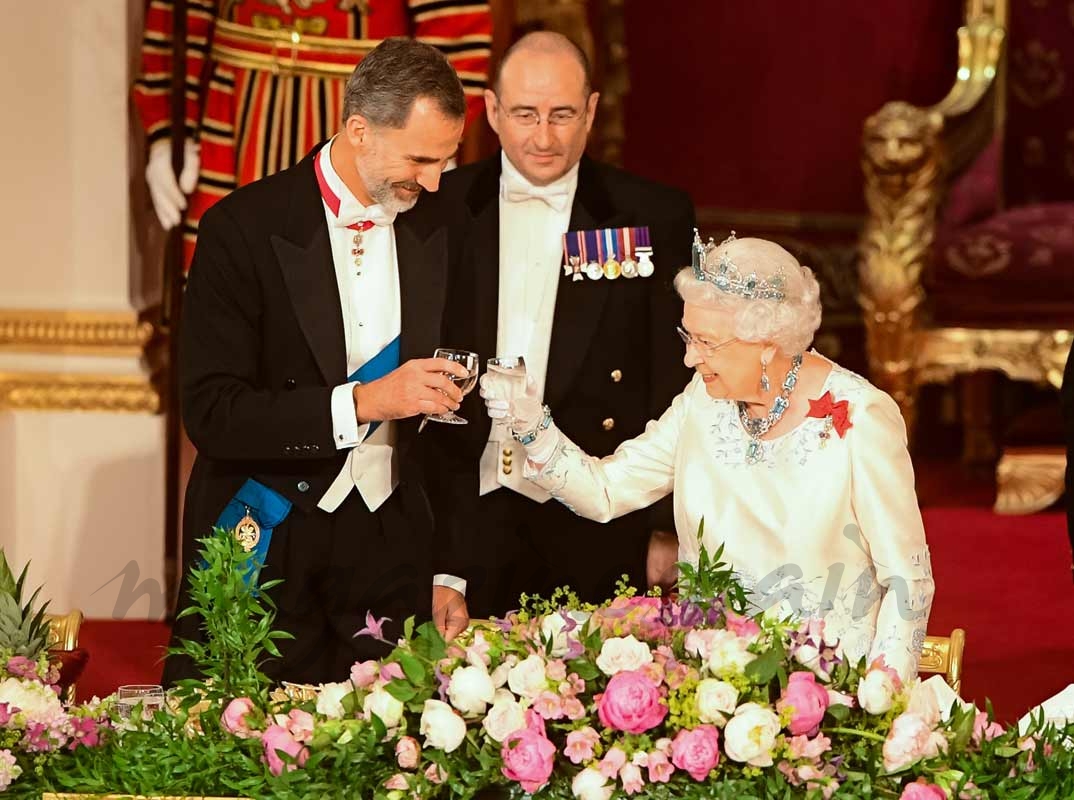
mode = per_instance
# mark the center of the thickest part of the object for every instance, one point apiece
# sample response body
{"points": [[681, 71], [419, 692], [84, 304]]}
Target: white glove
{"points": [[167, 193], [500, 391]]}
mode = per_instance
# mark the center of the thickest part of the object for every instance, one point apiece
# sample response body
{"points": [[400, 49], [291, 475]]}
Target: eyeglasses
{"points": [[528, 118], [704, 346]]}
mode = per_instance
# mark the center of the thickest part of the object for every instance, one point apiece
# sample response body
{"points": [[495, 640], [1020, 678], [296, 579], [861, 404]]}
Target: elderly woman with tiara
{"points": [[798, 467]]}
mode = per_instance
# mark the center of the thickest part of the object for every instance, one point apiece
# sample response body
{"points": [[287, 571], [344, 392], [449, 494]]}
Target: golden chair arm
{"points": [[908, 152], [942, 655], [63, 630]]}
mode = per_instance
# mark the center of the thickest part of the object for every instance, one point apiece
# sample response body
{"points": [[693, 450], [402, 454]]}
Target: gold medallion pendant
{"points": [[248, 532]]}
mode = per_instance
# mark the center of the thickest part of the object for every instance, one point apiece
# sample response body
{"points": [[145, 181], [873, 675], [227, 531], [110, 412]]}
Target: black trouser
{"points": [[336, 567], [524, 546]]}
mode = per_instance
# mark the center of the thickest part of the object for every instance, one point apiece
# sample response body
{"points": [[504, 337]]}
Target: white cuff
{"points": [[541, 449], [346, 432], [451, 582]]}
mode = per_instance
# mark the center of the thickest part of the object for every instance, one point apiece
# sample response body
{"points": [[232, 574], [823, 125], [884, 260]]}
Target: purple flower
{"points": [[374, 627]]}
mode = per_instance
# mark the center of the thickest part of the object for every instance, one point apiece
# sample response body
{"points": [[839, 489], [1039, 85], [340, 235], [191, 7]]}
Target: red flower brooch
{"points": [[836, 413]]}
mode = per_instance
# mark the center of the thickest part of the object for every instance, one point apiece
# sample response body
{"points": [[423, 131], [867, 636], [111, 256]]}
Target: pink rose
{"points": [[742, 625], [435, 774], [613, 761], [920, 790], [808, 701], [407, 752], [983, 730], [363, 673], [528, 758], [630, 775], [631, 703], [580, 744], [660, 768], [235, 718], [910, 739], [277, 739], [696, 751]]}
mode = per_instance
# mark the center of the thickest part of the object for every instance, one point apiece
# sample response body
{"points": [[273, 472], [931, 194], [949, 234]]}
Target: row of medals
{"points": [[611, 269]]}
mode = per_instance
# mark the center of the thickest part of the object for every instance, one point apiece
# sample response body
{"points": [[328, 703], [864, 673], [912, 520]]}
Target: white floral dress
{"points": [[822, 525]]}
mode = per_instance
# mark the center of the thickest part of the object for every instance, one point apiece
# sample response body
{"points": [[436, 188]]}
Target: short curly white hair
{"points": [[788, 324]]}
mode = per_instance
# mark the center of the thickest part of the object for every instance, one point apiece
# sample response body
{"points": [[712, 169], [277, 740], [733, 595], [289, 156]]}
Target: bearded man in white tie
{"points": [[568, 263], [313, 303]]}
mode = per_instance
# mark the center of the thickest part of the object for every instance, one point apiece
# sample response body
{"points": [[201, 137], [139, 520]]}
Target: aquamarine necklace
{"points": [[757, 427]]}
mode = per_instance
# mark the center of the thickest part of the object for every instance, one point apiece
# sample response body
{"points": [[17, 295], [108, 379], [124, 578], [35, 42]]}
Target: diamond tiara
{"points": [[727, 278]]}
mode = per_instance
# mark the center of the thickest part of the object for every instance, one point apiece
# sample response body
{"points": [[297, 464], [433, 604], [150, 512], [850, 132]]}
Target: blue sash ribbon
{"points": [[267, 506]]}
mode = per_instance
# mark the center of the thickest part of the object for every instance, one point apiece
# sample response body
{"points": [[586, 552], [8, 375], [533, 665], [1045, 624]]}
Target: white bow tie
{"points": [[351, 213], [555, 195]]}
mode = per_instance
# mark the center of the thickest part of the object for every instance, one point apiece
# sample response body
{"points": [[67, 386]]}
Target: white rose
{"points": [[716, 700], [728, 653], [471, 689], [876, 692], [750, 735], [499, 675], [33, 698], [385, 706], [622, 654], [330, 698], [504, 718], [589, 784], [552, 630], [442, 727], [528, 678], [924, 702], [699, 643]]}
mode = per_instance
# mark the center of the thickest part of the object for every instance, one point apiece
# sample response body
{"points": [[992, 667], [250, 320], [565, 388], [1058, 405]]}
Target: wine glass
{"points": [[470, 362], [149, 696], [513, 369]]}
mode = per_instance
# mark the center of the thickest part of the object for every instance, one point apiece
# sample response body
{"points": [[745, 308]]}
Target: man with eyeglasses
{"points": [[602, 351]]}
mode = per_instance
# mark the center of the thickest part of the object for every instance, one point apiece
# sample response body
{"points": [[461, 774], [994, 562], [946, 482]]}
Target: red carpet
{"points": [[1006, 580]]}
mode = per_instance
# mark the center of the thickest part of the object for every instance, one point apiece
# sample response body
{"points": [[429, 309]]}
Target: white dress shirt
{"points": [[372, 318], [532, 223]]}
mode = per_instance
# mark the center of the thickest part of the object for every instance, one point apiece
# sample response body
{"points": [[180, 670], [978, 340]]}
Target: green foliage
{"points": [[23, 630], [711, 578]]}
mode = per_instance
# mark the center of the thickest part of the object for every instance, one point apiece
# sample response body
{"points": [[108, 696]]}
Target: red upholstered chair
{"points": [[968, 251]]}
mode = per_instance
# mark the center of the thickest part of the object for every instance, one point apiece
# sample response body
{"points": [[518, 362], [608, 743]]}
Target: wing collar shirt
{"points": [[533, 220]]}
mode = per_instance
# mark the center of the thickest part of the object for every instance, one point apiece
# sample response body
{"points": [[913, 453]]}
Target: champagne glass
{"points": [[149, 696], [470, 363], [513, 369]]}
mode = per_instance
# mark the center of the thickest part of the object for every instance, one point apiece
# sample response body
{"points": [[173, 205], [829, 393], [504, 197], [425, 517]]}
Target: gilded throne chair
{"points": [[968, 246]]}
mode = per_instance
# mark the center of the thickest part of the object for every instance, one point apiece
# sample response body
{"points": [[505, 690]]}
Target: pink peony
{"points": [[807, 700], [910, 739], [696, 751], [580, 744], [236, 718], [660, 768], [631, 703], [528, 758], [363, 673], [921, 790], [277, 739], [407, 752]]}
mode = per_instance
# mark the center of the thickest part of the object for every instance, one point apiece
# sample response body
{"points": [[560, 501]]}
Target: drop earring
{"points": [[765, 385]]}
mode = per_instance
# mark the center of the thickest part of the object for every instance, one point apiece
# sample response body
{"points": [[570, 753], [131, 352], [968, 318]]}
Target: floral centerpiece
{"points": [[36, 728], [684, 697]]}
